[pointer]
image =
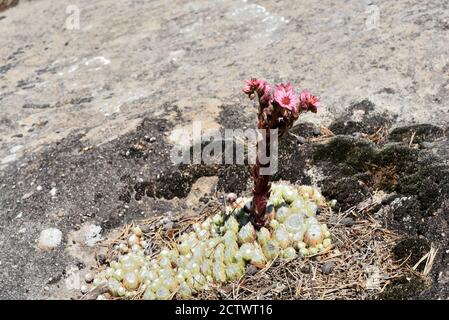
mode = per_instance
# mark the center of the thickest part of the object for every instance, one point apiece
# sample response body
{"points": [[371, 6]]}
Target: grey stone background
{"points": [[72, 101], [129, 57]]}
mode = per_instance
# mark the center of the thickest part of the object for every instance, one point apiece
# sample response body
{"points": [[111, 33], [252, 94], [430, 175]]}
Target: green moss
{"points": [[430, 182], [360, 154], [398, 154], [354, 152], [404, 288], [419, 132]]}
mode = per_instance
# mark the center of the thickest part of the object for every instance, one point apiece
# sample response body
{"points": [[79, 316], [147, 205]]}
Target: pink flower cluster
{"points": [[284, 96], [309, 102], [277, 111]]}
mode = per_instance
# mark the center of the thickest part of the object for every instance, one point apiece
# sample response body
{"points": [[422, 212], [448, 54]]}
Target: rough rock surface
{"points": [[130, 57], [87, 118]]}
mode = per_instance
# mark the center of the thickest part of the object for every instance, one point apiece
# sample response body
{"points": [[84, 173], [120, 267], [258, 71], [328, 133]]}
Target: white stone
{"points": [[27, 195], [84, 289], [53, 192], [89, 277], [92, 234], [39, 188], [50, 238]]}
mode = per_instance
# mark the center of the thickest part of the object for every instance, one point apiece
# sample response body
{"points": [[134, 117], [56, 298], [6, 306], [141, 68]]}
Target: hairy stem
{"points": [[261, 190]]}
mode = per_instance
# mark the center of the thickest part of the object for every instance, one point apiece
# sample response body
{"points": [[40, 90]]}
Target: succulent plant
{"points": [[313, 235], [263, 235], [289, 253], [201, 258], [282, 214], [247, 233], [282, 237], [275, 111]]}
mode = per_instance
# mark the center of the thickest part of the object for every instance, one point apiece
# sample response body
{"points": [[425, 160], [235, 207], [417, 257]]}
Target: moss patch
{"points": [[404, 288], [351, 151], [419, 133], [412, 249]]}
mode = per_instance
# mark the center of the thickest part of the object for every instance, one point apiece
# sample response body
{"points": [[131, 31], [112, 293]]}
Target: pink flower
{"points": [[286, 97], [266, 94], [309, 102], [254, 84], [260, 86]]}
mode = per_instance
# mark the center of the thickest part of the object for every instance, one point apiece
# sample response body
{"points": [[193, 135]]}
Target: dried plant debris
{"points": [[308, 251]]}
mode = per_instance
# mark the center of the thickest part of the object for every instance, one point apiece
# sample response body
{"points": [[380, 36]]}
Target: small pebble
{"points": [[301, 140], [89, 277], [152, 139], [347, 222], [27, 195], [306, 269], [49, 238], [316, 131], [169, 225], [251, 270], [53, 192], [39, 188], [327, 267], [84, 289]]}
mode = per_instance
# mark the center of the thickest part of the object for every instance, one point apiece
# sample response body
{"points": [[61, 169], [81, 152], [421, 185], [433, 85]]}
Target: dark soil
{"points": [[412, 249]]}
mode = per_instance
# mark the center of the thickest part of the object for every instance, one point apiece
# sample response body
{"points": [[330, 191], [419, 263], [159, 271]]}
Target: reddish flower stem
{"points": [[279, 113]]}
